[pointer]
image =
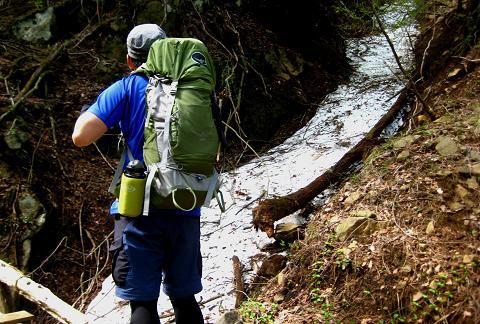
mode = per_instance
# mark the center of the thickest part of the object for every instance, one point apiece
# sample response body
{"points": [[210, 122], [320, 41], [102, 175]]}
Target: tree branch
{"points": [[40, 295], [37, 75], [413, 87]]}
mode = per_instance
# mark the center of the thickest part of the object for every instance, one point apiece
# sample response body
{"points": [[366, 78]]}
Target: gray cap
{"points": [[140, 39]]}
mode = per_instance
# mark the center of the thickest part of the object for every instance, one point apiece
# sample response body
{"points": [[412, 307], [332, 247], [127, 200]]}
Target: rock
{"points": [[446, 146], [352, 198], [444, 173], [468, 258], [26, 252], [473, 169], [154, 12], [406, 269], [474, 155], [455, 206], [256, 261], [29, 207], [288, 232], [285, 66], [38, 28], [364, 213], [403, 142], [32, 213], [472, 183], [367, 321], [230, 317], [461, 191], [403, 155], [281, 280], [272, 265], [446, 119], [278, 298], [417, 296], [421, 119], [4, 171], [455, 74], [430, 228], [14, 138], [355, 226]]}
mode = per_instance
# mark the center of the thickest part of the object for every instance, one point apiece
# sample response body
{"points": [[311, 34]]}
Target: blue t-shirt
{"points": [[123, 104]]}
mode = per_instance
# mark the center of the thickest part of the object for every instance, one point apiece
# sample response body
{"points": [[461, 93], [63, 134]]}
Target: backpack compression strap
{"points": [[161, 120]]}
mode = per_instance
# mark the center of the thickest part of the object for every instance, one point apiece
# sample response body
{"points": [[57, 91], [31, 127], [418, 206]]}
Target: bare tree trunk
{"points": [[270, 210]]}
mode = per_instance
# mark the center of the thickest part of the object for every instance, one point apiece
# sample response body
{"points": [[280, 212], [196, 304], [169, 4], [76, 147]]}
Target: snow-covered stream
{"points": [[341, 121]]}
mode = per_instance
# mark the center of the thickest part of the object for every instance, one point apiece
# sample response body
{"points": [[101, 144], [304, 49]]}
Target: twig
{"points": [[61, 166], [80, 228], [52, 124], [93, 279], [242, 52], [428, 45], [165, 6], [30, 172], [48, 257], [169, 312], [207, 32], [216, 230], [467, 59], [101, 243], [103, 156], [238, 135], [251, 202], [394, 217], [10, 238], [19, 99], [399, 63]]}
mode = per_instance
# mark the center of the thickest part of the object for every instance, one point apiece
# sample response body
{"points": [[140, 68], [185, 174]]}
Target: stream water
{"points": [[340, 122]]}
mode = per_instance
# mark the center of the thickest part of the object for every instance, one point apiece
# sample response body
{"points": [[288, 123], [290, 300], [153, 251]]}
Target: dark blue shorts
{"points": [[151, 250]]}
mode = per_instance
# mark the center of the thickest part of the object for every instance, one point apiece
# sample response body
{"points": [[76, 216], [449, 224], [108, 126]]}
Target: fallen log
{"points": [[39, 295], [270, 210]]}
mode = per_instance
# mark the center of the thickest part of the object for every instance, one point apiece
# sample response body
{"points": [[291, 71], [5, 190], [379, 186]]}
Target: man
{"points": [[164, 246]]}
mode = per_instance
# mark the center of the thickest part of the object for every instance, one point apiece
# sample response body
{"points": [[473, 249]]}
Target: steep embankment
{"points": [[400, 240]]}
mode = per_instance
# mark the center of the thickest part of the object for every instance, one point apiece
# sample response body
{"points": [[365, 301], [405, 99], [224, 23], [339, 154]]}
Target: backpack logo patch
{"points": [[199, 58]]}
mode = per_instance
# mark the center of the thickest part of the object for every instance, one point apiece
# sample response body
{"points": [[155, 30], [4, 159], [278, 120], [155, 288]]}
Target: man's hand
{"points": [[88, 129]]}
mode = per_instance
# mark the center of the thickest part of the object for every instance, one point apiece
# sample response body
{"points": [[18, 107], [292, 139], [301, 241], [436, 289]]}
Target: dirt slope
{"points": [[412, 253]]}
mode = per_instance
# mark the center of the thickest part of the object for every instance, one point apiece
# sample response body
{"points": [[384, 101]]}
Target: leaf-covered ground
{"points": [[413, 252]]}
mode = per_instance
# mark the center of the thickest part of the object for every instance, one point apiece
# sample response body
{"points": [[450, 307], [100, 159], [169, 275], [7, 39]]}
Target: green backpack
{"points": [[181, 140]]}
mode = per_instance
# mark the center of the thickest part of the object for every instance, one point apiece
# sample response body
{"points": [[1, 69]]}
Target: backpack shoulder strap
{"points": [[118, 172]]}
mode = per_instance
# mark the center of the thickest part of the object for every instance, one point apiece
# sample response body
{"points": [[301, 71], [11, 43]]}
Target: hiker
{"points": [[163, 247]]}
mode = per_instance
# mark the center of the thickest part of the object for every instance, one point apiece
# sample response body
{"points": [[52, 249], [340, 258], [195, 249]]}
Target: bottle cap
{"points": [[135, 169]]}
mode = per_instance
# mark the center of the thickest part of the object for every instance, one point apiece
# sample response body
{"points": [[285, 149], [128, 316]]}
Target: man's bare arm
{"points": [[88, 129]]}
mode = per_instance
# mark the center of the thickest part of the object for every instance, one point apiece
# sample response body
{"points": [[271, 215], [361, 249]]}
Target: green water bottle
{"points": [[132, 189]]}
